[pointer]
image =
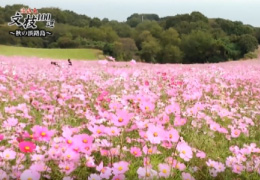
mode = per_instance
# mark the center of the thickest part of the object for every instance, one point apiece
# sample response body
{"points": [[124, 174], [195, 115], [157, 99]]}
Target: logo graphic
{"points": [[28, 24]]}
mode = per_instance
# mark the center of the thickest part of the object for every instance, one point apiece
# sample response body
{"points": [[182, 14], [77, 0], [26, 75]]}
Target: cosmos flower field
{"points": [[110, 120]]}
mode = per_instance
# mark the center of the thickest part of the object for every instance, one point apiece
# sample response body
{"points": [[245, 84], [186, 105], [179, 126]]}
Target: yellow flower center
{"points": [[155, 134], [146, 108], [147, 174], [85, 140], [68, 156], [7, 156], [183, 152], [170, 135], [98, 131], [69, 141], [164, 171], [103, 170], [120, 120], [120, 168], [67, 168], [150, 150], [27, 148], [29, 178], [113, 131], [43, 134]]}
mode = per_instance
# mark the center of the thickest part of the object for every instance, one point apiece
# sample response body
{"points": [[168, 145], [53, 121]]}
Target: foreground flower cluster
{"points": [[109, 120]]}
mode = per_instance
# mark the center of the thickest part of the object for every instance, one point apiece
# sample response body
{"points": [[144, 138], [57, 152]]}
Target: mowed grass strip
{"points": [[79, 54]]}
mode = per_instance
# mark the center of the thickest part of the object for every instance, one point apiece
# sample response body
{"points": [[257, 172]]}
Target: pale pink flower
{"points": [[120, 167], [8, 154], [164, 170], [185, 151], [29, 174], [187, 176]]}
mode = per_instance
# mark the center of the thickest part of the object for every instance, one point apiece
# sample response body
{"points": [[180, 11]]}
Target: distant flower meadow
{"points": [[108, 120]]}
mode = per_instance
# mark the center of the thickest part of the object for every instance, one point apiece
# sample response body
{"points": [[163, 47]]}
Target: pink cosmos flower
{"points": [[187, 176], [71, 156], [84, 139], [67, 178], [136, 151], [97, 130], [8, 154], [115, 106], [104, 152], [105, 172], [155, 134], [113, 131], [27, 147], [151, 150], [200, 154], [180, 166], [178, 121], [119, 177], [39, 167], [67, 167], [172, 135], [1, 137], [146, 173], [42, 133], [77, 147], [213, 172], [147, 162], [211, 163], [12, 121], [94, 177], [3, 175], [237, 168], [29, 174], [121, 118], [164, 170], [235, 133], [120, 167], [220, 167], [214, 126], [147, 107], [114, 151], [90, 162], [185, 151]]}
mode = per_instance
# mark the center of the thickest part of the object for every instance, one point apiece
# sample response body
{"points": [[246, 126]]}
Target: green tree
{"points": [[67, 41], [197, 16], [170, 54], [170, 36], [151, 26], [95, 22], [197, 47], [141, 37], [136, 19], [110, 34], [150, 48], [257, 34], [247, 43]]}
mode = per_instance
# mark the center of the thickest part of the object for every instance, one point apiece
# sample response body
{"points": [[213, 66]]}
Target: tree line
{"points": [[184, 38]]}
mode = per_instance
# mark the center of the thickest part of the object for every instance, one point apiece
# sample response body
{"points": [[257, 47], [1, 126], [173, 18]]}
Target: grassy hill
{"points": [[79, 54]]}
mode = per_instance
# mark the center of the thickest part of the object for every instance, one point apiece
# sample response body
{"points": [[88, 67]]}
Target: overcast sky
{"points": [[247, 11]]}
